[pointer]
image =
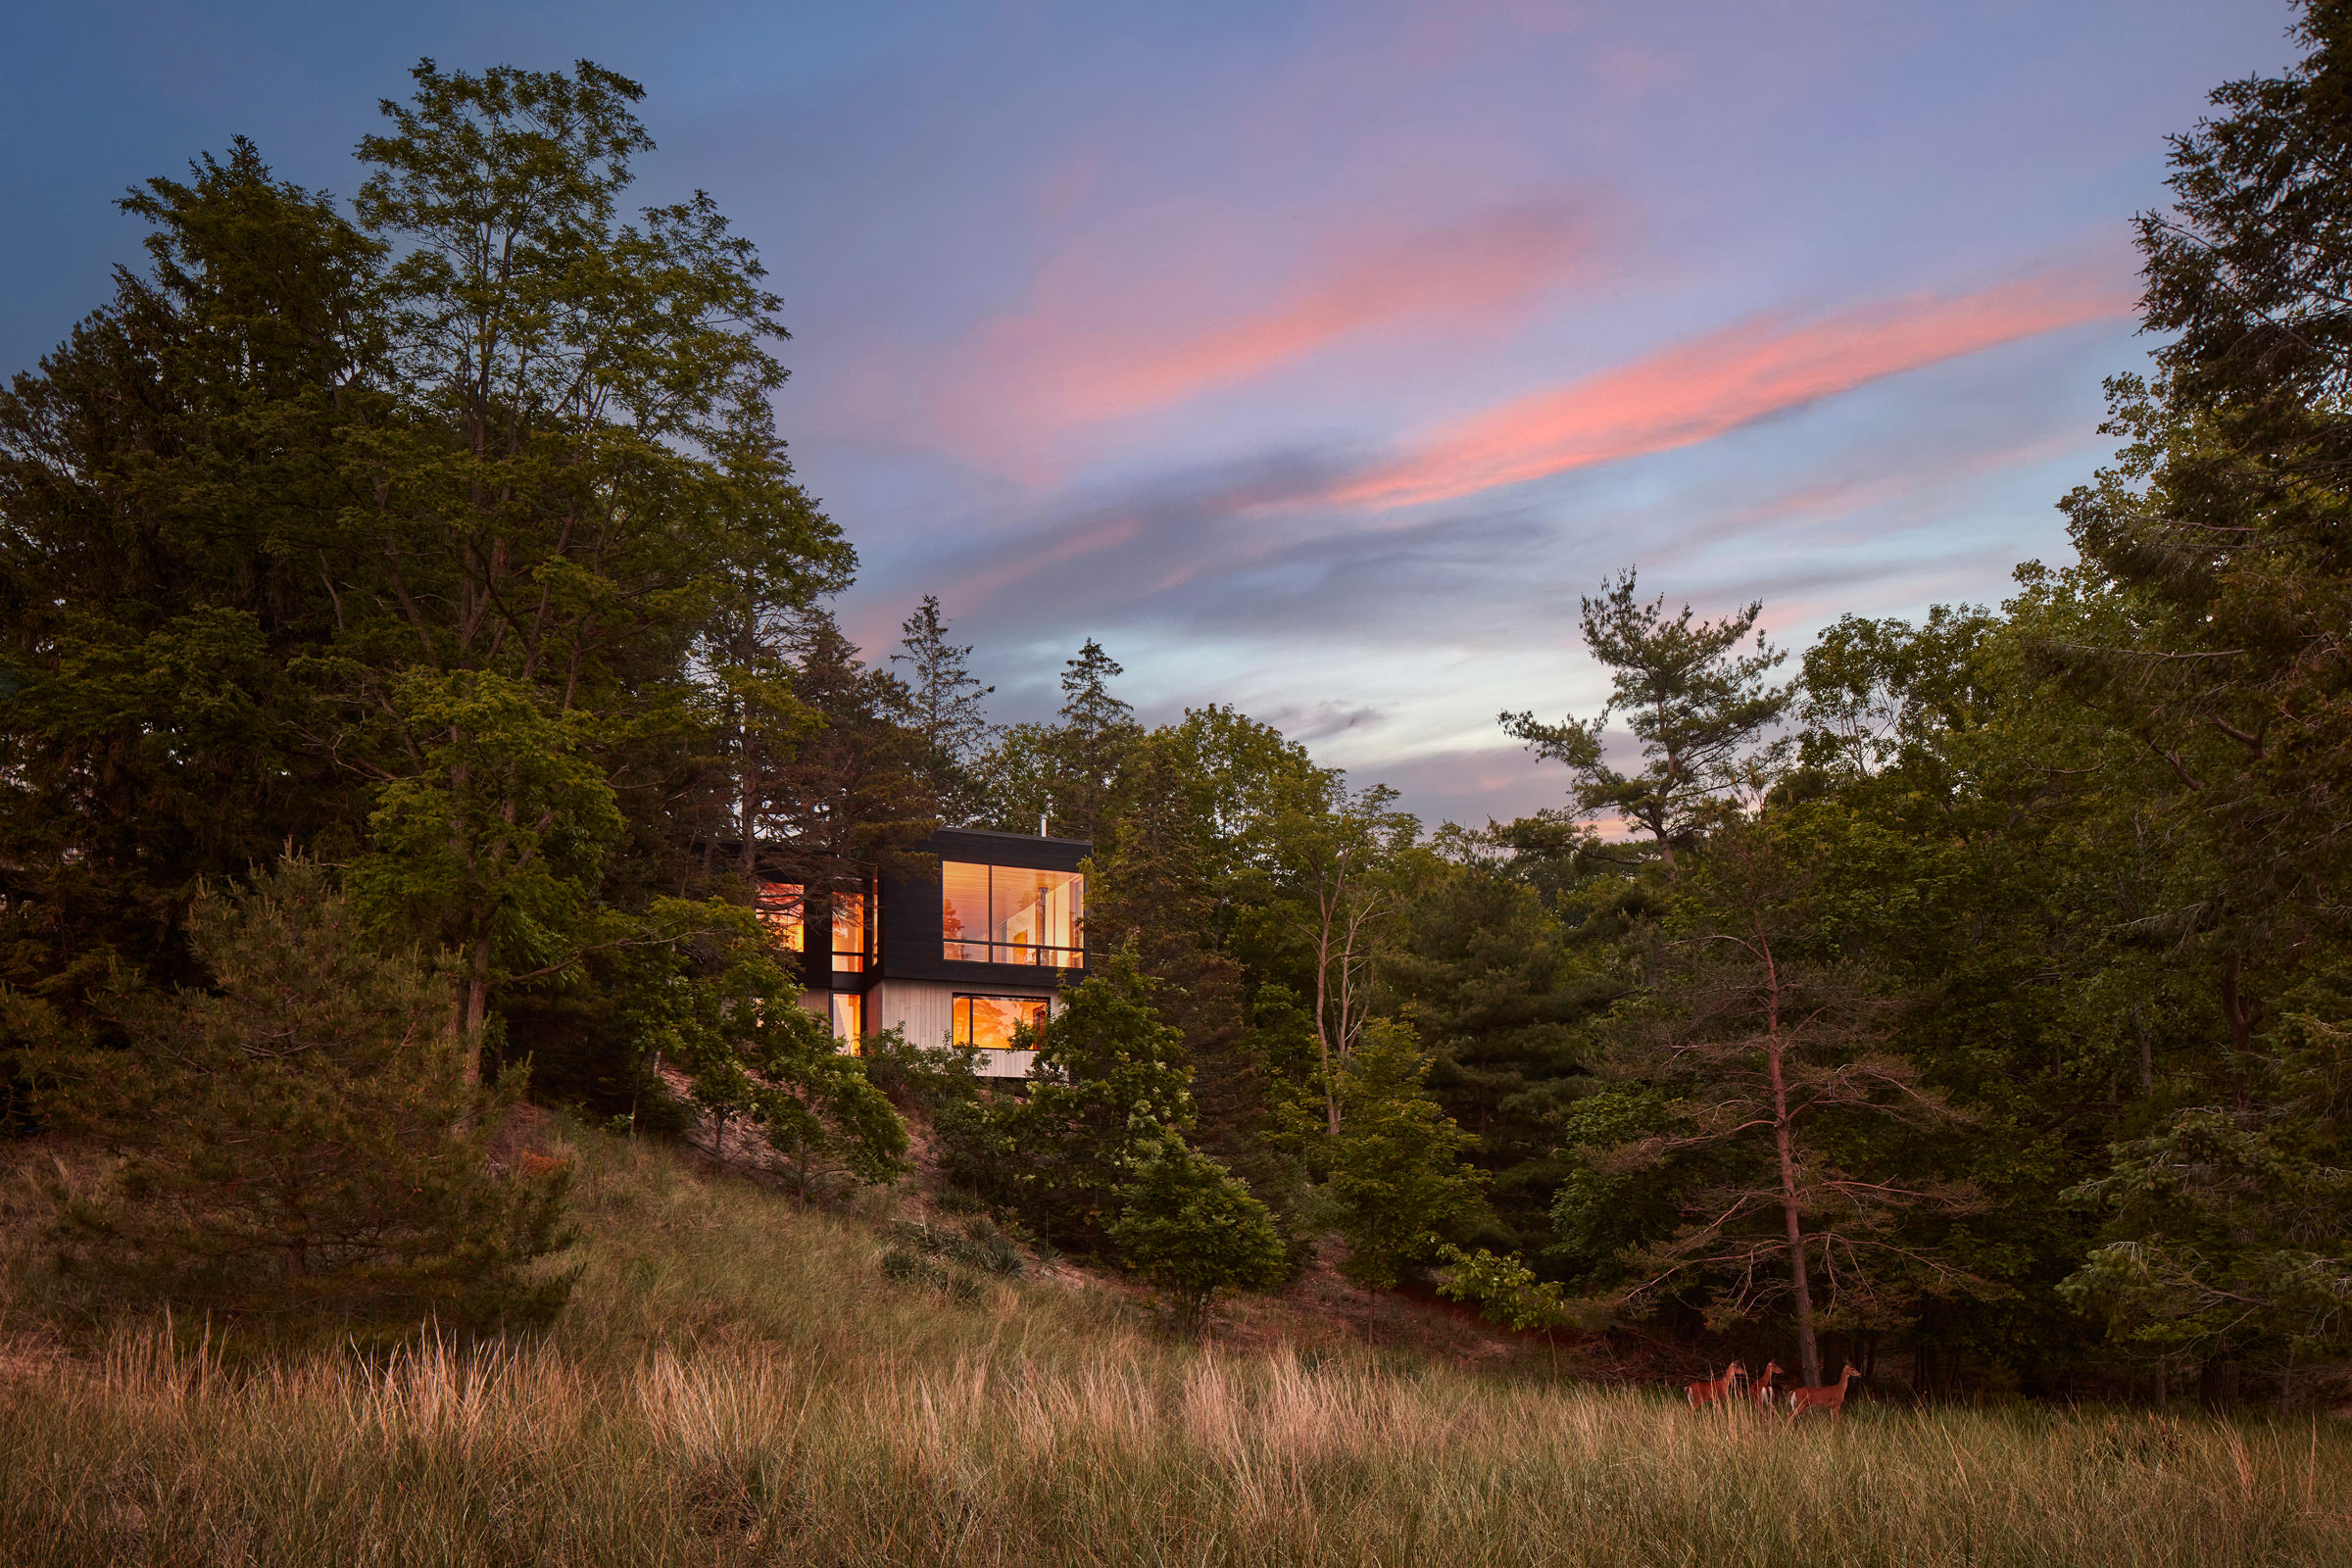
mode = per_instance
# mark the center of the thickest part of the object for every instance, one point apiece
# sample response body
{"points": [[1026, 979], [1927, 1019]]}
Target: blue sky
{"points": [[1316, 358]]}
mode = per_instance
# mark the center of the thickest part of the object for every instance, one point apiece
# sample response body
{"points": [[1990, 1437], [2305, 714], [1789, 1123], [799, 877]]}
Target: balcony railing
{"points": [[959, 951]]}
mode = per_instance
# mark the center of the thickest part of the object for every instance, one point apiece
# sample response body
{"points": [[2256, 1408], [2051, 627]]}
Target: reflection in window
{"points": [[849, 1021], [778, 905], [850, 946], [1012, 914], [993, 1022]]}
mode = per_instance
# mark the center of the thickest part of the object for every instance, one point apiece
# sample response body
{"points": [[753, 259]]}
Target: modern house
{"points": [[966, 954]]}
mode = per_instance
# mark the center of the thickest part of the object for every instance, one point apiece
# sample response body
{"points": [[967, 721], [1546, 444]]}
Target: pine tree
{"points": [[946, 705], [1694, 702], [298, 1140]]}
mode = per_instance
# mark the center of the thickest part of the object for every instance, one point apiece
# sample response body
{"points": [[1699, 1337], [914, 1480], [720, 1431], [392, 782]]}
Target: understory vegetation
{"points": [[738, 1380]]}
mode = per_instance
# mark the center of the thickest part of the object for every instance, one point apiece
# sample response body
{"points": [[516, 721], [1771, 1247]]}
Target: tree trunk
{"points": [[1784, 1144], [478, 1006]]}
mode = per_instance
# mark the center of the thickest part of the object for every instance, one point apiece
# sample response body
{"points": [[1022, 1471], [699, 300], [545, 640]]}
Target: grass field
{"points": [[739, 1381]]}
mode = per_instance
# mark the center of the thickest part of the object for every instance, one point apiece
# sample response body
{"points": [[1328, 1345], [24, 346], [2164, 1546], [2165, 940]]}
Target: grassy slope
{"points": [[737, 1382]]}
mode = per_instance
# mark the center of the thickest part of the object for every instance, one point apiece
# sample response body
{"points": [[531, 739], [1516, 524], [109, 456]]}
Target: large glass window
{"points": [[1011, 914], [780, 906], [992, 1023], [850, 950]]}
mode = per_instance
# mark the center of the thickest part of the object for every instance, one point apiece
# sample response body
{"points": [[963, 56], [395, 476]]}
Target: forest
{"points": [[412, 628]]}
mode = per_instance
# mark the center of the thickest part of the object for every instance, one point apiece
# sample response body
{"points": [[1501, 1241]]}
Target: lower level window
{"points": [[991, 1022], [848, 1020]]}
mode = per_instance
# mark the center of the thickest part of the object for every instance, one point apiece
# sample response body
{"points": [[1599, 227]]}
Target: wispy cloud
{"points": [[1106, 337], [1706, 386]]}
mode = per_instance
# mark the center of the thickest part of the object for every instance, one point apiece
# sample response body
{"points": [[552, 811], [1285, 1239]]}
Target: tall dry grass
{"points": [[739, 1383]]}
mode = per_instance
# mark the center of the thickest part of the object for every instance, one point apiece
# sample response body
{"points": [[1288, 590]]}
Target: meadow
{"points": [[739, 1379]]}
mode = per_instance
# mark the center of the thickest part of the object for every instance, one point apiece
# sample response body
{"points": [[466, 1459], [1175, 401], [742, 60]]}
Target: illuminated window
{"points": [[993, 1022], [1011, 914], [848, 1020], [850, 946], [778, 906]]}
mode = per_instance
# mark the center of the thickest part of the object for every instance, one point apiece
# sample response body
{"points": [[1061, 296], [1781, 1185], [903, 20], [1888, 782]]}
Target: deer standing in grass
{"points": [[1707, 1391], [1831, 1399], [1762, 1393]]}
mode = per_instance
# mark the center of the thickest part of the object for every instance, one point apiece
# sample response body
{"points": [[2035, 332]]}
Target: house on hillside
{"points": [[966, 952]]}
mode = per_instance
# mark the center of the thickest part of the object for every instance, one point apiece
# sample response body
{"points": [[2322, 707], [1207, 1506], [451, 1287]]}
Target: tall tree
{"points": [[1069, 773], [947, 707], [175, 497], [1767, 1060], [1697, 703], [2223, 528]]}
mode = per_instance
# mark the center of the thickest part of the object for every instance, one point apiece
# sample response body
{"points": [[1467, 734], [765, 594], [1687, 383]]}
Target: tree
{"points": [[171, 480], [1397, 1181], [751, 1053], [1192, 1227], [1770, 1051], [494, 841], [582, 489], [1696, 704], [1110, 1080], [2221, 533], [1070, 774], [1503, 990], [297, 1141], [1336, 853], [945, 708]]}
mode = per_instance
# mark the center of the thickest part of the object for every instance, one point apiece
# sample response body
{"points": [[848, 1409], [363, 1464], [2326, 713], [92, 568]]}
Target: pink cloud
{"points": [[1088, 354], [1705, 387]]}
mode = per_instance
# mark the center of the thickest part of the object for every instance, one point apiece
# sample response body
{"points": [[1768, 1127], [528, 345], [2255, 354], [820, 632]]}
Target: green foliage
{"points": [[1504, 1289], [297, 1140], [1697, 703], [1109, 1081], [1397, 1182], [1192, 1228], [731, 1021]]}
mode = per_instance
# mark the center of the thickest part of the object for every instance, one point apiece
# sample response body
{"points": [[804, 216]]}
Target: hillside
{"points": [[741, 1380]]}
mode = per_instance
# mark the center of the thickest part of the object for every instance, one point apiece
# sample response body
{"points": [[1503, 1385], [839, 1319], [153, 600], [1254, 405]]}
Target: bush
{"points": [[1192, 1228]]}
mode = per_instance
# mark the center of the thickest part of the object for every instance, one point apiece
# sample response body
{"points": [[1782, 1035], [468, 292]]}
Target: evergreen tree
{"points": [[1071, 774], [1696, 703], [170, 478], [298, 1140], [1766, 1059], [945, 704]]}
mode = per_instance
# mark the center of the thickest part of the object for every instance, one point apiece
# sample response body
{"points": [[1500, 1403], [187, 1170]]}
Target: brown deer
{"points": [[1831, 1399], [1707, 1391], [1762, 1393]]}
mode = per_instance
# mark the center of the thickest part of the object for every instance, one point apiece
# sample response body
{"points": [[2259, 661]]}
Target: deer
{"points": [[1706, 1391], [1762, 1393], [1831, 1399]]}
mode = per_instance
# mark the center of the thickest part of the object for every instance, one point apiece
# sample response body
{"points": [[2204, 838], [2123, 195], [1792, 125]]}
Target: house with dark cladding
{"points": [[967, 946]]}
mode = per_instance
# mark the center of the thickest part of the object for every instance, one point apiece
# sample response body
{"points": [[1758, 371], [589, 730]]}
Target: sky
{"points": [[1315, 358]]}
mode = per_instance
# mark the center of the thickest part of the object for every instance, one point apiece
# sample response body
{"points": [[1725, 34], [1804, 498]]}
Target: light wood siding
{"points": [[924, 1008]]}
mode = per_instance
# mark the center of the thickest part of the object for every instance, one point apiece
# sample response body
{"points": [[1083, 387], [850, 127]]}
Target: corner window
{"points": [[779, 908], [1011, 914], [993, 1022], [849, 1021]]}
